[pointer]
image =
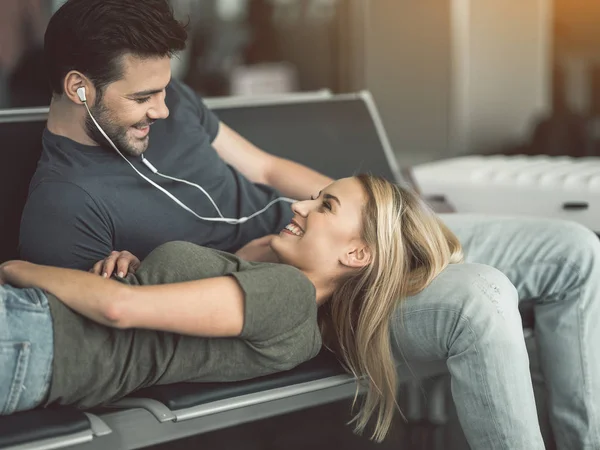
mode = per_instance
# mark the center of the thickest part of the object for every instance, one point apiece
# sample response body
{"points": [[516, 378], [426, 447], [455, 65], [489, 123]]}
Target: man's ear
{"points": [[357, 257], [75, 80]]}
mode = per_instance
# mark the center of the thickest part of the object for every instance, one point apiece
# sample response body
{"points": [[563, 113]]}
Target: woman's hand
{"points": [[121, 262]]}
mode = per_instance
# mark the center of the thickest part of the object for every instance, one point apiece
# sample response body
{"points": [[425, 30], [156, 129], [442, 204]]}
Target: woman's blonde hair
{"points": [[409, 247]]}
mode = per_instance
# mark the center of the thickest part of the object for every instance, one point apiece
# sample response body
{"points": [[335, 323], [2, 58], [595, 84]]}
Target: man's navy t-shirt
{"points": [[85, 201]]}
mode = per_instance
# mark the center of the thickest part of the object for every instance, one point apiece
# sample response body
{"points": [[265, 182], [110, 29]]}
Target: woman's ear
{"points": [[357, 257]]}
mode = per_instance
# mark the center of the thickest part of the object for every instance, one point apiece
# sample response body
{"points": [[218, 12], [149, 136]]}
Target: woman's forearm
{"points": [[88, 294], [212, 307]]}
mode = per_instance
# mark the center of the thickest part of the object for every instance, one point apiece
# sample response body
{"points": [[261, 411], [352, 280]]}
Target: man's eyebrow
{"points": [[146, 93], [332, 197]]}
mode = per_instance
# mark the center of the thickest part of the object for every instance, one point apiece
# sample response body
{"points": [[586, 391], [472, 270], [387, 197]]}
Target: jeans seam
{"points": [[575, 268], [12, 402], [45, 389], [488, 394], [481, 375], [48, 372], [586, 377]]}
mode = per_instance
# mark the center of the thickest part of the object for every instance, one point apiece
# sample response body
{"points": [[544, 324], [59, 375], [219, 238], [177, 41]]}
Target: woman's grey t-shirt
{"points": [[95, 365]]}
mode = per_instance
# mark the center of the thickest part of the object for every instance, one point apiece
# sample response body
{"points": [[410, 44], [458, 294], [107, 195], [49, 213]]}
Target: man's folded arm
{"points": [[63, 226]]}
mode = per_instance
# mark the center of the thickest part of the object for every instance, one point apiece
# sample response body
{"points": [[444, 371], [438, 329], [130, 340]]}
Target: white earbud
{"points": [[81, 94]]}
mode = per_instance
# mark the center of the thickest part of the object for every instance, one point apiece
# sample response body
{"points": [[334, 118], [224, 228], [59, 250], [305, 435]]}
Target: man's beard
{"points": [[116, 133]]}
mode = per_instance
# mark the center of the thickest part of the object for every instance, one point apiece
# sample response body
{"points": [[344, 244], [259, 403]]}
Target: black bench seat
{"points": [[184, 401], [49, 428], [165, 413]]}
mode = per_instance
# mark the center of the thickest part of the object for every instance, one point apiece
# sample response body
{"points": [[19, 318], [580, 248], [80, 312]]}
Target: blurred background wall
{"points": [[450, 77], [409, 71]]}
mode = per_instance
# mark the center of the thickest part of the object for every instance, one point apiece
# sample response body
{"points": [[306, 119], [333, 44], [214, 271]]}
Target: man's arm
{"points": [[291, 179], [62, 226]]}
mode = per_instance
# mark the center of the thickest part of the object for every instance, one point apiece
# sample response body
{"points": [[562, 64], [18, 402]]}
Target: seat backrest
{"points": [[338, 135], [20, 148]]}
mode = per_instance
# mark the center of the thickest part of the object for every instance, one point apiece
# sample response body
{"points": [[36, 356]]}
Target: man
{"points": [[86, 201]]}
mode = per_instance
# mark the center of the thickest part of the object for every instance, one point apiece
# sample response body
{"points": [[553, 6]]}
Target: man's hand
{"points": [[258, 250], [121, 262]]}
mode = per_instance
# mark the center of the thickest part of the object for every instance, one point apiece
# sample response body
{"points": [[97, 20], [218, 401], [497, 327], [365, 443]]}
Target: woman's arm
{"points": [[212, 307], [89, 295]]}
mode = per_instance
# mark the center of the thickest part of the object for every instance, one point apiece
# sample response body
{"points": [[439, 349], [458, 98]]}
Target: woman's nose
{"points": [[301, 208]]}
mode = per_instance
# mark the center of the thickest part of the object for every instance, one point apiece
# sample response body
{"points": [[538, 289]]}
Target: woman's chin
{"points": [[278, 246], [275, 244]]}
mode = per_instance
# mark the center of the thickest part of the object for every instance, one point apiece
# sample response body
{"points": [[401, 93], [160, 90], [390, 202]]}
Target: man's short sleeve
{"points": [[278, 298], [62, 226], [208, 119]]}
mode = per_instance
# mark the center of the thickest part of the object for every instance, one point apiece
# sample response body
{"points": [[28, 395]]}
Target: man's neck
{"points": [[66, 119]]}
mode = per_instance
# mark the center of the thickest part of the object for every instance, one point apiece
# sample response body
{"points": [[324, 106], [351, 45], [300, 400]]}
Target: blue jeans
{"points": [[469, 317], [26, 348]]}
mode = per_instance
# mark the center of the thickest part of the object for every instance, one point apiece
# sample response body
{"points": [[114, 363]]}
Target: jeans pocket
{"points": [[14, 359], [30, 299]]}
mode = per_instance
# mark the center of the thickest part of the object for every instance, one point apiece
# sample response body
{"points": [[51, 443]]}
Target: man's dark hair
{"points": [[91, 36]]}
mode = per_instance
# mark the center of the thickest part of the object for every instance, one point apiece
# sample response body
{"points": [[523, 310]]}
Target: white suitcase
{"points": [[546, 186]]}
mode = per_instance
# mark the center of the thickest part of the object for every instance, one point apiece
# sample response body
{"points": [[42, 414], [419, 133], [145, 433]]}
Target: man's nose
{"points": [[159, 111]]}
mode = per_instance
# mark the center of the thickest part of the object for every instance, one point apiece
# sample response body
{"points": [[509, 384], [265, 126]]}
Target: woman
{"points": [[355, 250]]}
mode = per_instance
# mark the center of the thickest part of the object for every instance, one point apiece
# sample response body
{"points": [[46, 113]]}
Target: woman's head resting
{"points": [[363, 222], [325, 234], [367, 244]]}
